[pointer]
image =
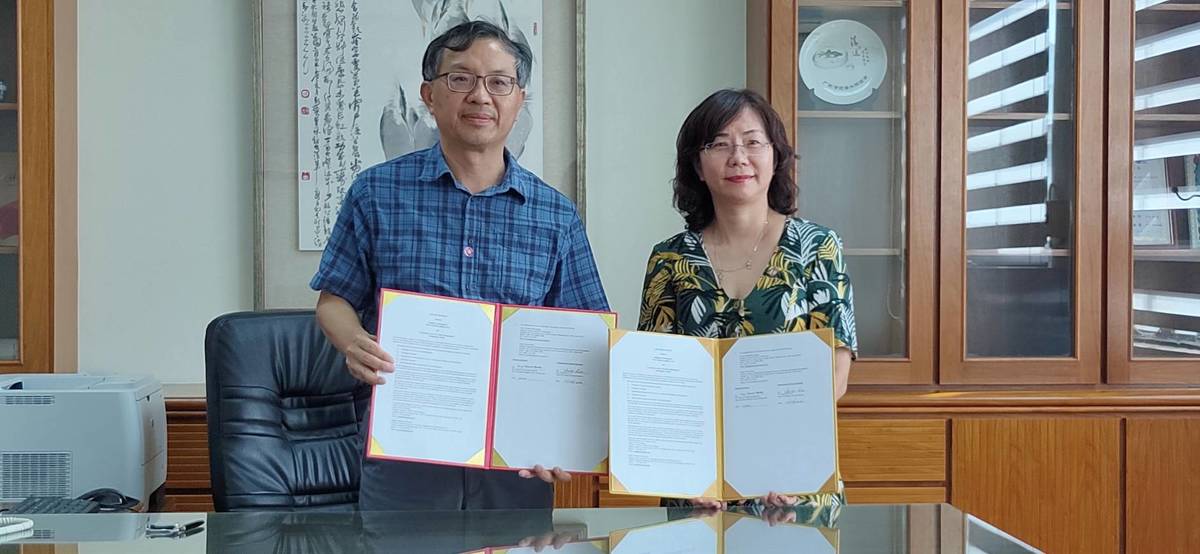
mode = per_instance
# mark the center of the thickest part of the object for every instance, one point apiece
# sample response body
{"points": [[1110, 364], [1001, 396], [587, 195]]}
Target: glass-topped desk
{"points": [[875, 529]]}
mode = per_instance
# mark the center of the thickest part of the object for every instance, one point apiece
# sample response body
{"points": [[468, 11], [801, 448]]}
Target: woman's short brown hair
{"points": [[692, 197]]}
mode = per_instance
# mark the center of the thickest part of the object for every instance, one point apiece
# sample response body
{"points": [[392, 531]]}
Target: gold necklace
{"points": [[745, 266]]}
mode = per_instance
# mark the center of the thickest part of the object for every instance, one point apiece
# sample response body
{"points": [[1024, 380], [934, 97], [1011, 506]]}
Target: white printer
{"points": [[62, 435]]}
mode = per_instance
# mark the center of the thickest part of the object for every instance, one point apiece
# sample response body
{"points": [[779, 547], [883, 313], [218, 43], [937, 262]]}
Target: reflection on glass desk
{"points": [[887, 529]]}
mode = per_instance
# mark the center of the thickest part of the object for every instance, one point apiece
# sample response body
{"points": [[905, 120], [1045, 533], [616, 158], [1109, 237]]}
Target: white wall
{"points": [[165, 180], [647, 65], [165, 159]]}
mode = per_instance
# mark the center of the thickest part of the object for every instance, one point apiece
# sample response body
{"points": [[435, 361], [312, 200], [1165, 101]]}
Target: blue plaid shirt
{"points": [[408, 224]]}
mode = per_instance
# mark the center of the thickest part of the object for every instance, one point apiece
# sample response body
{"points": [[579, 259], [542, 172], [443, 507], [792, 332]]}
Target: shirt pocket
{"points": [[523, 269]]}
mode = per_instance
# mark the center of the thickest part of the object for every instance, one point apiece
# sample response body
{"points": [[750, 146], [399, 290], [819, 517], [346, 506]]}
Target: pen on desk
{"points": [[175, 529], [190, 532], [177, 526]]}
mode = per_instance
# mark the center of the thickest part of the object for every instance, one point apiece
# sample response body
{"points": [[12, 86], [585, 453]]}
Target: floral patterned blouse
{"points": [[803, 287]]}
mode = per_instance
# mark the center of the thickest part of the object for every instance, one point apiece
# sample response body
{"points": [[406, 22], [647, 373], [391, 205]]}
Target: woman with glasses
{"points": [[745, 266]]}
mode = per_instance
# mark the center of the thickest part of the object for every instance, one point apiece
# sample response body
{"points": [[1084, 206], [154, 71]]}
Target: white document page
{"points": [[778, 414], [663, 418], [552, 389], [685, 536], [434, 407]]}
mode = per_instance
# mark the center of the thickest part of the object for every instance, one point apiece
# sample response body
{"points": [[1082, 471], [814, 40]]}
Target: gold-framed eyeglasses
{"points": [[753, 147], [496, 85]]}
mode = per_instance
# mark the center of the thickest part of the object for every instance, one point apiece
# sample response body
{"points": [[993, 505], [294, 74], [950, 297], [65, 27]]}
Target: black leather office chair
{"points": [[283, 415]]}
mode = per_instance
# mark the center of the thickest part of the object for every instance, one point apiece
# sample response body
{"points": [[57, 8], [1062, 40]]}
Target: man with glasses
{"points": [[460, 219]]}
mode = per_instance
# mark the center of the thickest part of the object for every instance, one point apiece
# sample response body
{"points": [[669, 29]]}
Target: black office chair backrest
{"points": [[283, 415]]}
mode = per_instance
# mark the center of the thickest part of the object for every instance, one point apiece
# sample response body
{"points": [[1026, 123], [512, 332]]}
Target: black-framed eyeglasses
{"points": [[753, 147], [496, 85]]}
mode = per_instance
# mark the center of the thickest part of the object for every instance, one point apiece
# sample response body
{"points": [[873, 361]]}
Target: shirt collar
{"points": [[516, 178]]}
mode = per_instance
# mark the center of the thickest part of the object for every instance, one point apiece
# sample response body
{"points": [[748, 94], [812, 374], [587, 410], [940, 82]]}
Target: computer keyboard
{"points": [[51, 505]]}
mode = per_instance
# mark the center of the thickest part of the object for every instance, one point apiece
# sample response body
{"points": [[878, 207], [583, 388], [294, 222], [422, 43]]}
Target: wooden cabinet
{"points": [[1066, 471], [893, 460], [26, 186], [1021, 192], [1048, 163], [1058, 468], [833, 135], [1018, 196], [1153, 233], [867, 167], [189, 485], [892, 450], [1161, 484], [1054, 482]]}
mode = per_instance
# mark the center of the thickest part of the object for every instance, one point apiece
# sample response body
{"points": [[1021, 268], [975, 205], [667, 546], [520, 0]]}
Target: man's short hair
{"points": [[460, 37]]}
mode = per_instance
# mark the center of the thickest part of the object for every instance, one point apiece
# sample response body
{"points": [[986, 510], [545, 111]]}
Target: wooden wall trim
{"points": [[1088, 248], [1122, 399], [35, 98], [895, 495], [186, 404], [952, 201], [1015, 411], [924, 41], [1128, 399], [781, 73], [1119, 254], [1100, 400]]}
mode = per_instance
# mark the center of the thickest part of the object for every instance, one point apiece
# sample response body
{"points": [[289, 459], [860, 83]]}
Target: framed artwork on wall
{"points": [[1154, 227], [304, 162]]}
